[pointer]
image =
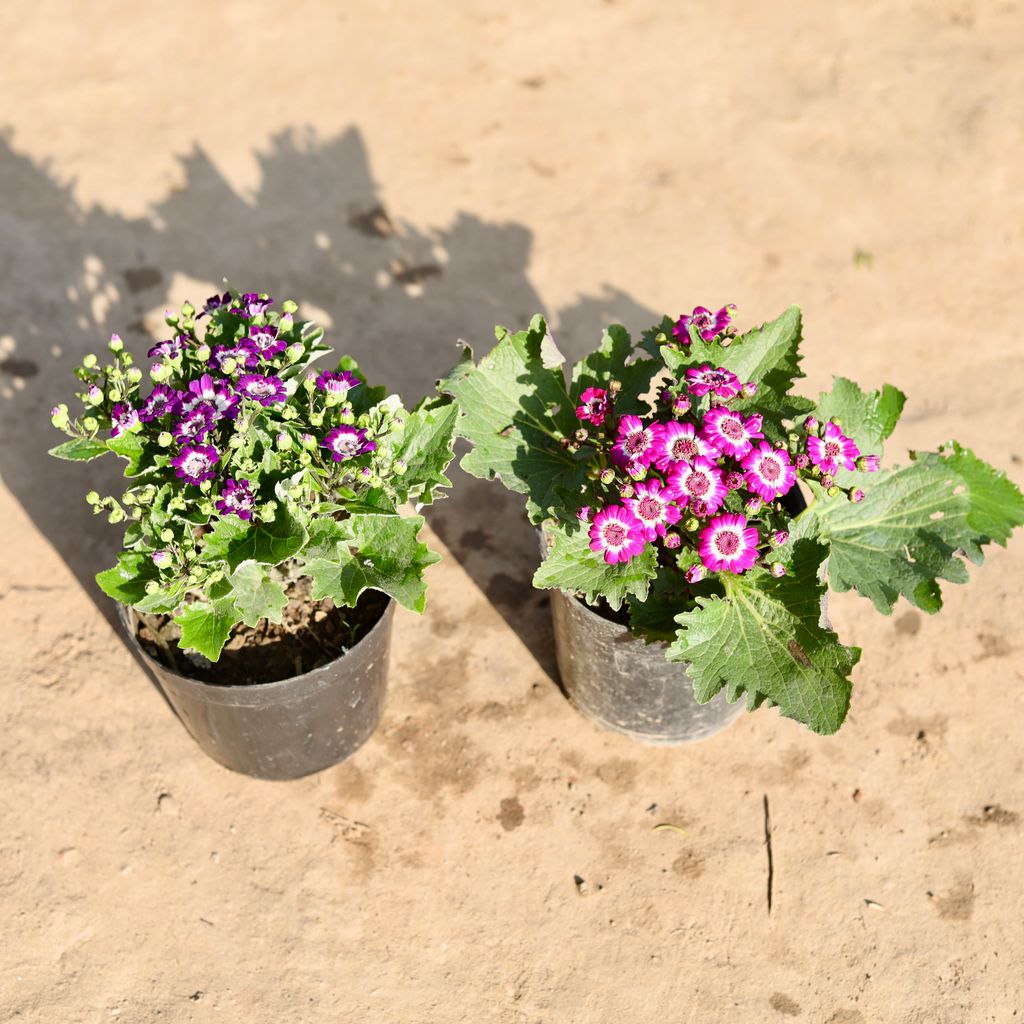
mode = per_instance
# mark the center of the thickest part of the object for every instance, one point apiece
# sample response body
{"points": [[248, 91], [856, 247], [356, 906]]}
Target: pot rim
{"points": [[130, 619]]}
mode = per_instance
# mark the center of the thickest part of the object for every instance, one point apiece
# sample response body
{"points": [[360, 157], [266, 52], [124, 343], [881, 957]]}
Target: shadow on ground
{"points": [[396, 297]]}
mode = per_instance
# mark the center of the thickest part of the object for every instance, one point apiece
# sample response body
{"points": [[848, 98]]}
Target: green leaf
{"points": [[80, 449], [129, 446], [611, 362], [372, 552], [653, 618], [236, 541], [205, 627], [163, 601], [255, 595], [426, 448], [126, 581], [571, 565], [514, 409], [912, 528], [869, 417], [765, 639]]}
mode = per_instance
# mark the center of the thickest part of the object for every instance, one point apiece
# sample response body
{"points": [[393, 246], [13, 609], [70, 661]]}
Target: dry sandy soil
{"points": [[597, 160]]}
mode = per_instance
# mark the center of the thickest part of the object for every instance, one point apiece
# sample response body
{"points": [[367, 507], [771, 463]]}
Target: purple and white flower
{"points": [[195, 424], [123, 418], [634, 444], [236, 498], [217, 393], [196, 463], [709, 325], [171, 348], [833, 450], [699, 480], [242, 351], [678, 442], [769, 471], [594, 406], [265, 390], [727, 544], [266, 341], [337, 383], [652, 506], [617, 534], [250, 304], [346, 443], [722, 382], [729, 432], [162, 401], [214, 302]]}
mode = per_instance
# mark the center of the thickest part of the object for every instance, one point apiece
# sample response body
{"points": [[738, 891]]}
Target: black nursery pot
{"points": [[288, 728], [624, 684]]}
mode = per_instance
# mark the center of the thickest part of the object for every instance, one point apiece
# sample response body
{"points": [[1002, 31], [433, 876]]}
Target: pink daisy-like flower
{"points": [[337, 383], [265, 390], [634, 445], [709, 325], [594, 406], [769, 471], [217, 393], [699, 480], [678, 442], [832, 450], [266, 341], [727, 544], [195, 463], [705, 378], [195, 424], [617, 533], [162, 401], [123, 418], [346, 443], [651, 504], [243, 352], [236, 498], [729, 432]]}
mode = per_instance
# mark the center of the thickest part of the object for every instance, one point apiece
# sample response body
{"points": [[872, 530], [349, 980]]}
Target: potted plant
{"points": [[264, 546], [669, 479]]}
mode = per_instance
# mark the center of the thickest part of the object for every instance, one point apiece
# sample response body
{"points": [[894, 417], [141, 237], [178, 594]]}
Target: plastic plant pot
{"points": [[290, 727]]}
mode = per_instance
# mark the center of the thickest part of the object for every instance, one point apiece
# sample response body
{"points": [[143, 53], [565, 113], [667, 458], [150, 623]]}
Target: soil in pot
{"points": [[310, 634]]}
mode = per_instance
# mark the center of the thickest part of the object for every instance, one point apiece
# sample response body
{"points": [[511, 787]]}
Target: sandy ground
{"points": [[597, 161]]}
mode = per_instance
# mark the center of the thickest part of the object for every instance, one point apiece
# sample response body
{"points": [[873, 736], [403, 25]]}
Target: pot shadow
{"points": [[316, 228]]}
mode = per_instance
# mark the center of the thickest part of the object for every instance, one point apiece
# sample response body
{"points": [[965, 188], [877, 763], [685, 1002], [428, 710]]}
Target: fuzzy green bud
{"points": [[288, 306], [691, 524], [832, 491], [94, 396], [607, 476], [308, 441], [116, 515], [188, 310], [59, 416], [91, 423], [202, 353], [228, 365], [348, 417], [637, 472], [93, 498], [89, 361], [305, 459], [164, 439], [171, 319], [152, 587], [283, 441], [134, 375], [167, 536], [159, 372], [310, 382], [294, 352], [399, 467], [114, 394], [115, 344], [626, 491], [316, 419]]}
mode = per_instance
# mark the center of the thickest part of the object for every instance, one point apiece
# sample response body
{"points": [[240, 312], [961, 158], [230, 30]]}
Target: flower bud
{"points": [[94, 396], [672, 541], [777, 569], [188, 310], [696, 573], [202, 353], [607, 476], [779, 537], [289, 306], [316, 419], [134, 375], [749, 389], [310, 382], [347, 418], [91, 423], [164, 439], [801, 461], [305, 458], [832, 491], [228, 365], [285, 324], [667, 397], [151, 587], [828, 481], [283, 441], [811, 425], [836, 421], [128, 498], [294, 352], [691, 524], [637, 471], [868, 463], [583, 514], [856, 495], [236, 441], [126, 359], [308, 441], [114, 394], [59, 416], [115, 344], [681, 405], [89, 361], [626, 491], [170, 318], [753, 506], [159, 372], [581, 435], [614, 386], [92, 498], [733, 480]]}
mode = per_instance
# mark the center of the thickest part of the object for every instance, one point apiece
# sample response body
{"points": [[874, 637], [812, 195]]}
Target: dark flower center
{"points": [[649, 508], [614, 534], [684, 448], [697, 483], [703, 321], [727, 543], [732, 429], [634, 443], [714, 378], [770, 469], [831, 449]]}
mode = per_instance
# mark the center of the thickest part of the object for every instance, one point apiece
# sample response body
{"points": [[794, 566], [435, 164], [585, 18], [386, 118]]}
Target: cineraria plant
{"points": [[669, 480], [246, 469]]}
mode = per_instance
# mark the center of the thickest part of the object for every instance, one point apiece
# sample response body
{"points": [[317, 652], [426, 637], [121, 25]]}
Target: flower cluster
{"points": [[698, 473]]}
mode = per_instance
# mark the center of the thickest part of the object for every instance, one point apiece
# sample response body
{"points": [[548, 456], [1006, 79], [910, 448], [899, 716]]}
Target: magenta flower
{"points": [[197, 423], [699, 480], [769, 471], [266, 341], [617, 533], [832, 450], [634, 445], [722, 382], [265, 390], [696, 573], [214, 302], [243, 352], [170, 349], [217, 393], [250, 304], [195, 463], [337, 383], [868, 463], [709, 325], [346, 443], [652, 506], [729, 432], [236, 498], [727, 544], [583, 514], [594, 406], [162, 401], [123, 418], [678, 442]]}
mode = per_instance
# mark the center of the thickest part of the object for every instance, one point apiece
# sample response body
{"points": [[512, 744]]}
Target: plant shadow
{"points": [[393, 295]]}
